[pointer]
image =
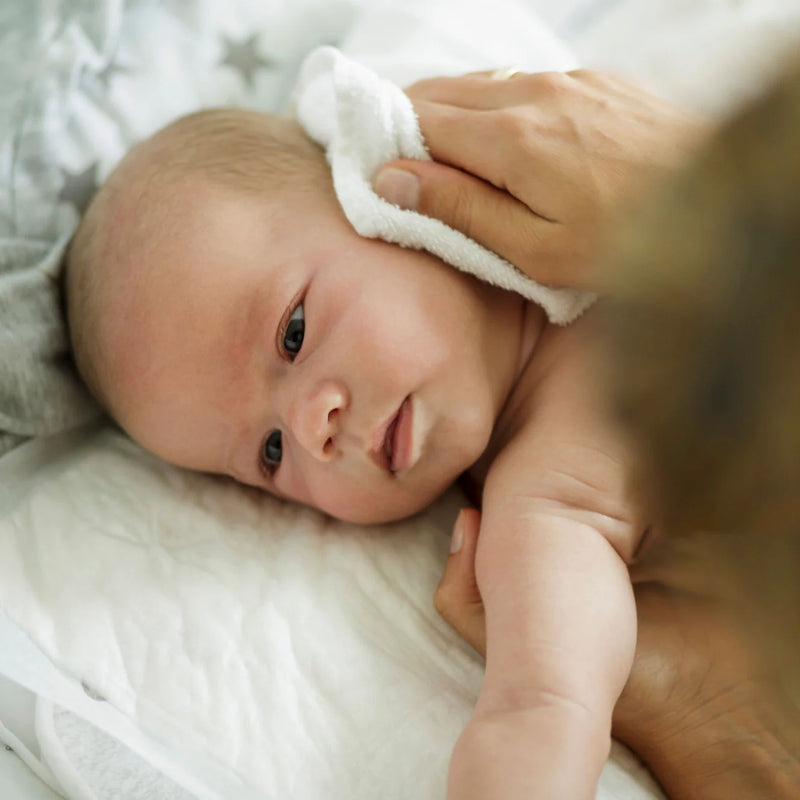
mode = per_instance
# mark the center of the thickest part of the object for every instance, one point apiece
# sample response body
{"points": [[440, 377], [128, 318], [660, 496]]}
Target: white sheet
{"points": [[301, 653], [17, 782], [273, 650]]}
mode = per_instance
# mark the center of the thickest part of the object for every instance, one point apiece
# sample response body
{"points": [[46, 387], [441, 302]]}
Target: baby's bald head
{"points": [[132, 221]]}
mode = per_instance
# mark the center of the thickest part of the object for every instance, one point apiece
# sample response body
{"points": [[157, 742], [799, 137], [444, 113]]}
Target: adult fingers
{"points": [[465, 138], [513, 149], [483, 91], [541, 249], [457, 597], [480, 91]]}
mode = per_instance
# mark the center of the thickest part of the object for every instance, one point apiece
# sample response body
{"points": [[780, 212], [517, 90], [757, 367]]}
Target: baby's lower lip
{"points": [[402, 437]]}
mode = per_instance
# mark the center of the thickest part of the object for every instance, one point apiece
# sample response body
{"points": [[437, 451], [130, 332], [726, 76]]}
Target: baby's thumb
{"points": [[457, 597]]}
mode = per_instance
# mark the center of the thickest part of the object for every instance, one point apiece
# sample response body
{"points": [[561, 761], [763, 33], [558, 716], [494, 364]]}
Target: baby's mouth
{"points": [[388, 443], [397, 444], [392, 449]]}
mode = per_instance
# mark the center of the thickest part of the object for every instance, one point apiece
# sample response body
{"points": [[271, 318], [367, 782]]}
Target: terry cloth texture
{"points": [[363, 121]]}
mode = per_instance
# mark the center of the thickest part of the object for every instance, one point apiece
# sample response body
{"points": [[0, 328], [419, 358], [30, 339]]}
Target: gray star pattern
{"points": [[244, 57], [79, 187]]}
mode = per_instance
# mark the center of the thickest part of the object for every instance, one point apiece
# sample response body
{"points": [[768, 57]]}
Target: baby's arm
{"points": [[560, 615], [560, 636]]}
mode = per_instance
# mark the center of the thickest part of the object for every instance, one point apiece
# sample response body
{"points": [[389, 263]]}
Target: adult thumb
{"points": [[457, 597], [433, 189], [490, 216]]}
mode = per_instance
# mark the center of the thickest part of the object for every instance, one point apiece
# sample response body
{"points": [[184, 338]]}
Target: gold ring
{"points": [[504, 73]]}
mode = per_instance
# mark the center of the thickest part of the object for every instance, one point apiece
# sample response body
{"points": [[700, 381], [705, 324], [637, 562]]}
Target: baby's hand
{"points": [[703, 707]]}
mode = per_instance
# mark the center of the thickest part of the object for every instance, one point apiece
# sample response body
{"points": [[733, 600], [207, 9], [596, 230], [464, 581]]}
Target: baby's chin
{"points": [[389, 507]]}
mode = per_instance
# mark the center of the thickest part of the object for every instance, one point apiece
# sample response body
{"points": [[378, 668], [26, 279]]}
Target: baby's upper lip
{"points": [[378, 451]]}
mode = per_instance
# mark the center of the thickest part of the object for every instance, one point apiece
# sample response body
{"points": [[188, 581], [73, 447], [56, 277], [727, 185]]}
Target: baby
{"points": [[227, 316]]}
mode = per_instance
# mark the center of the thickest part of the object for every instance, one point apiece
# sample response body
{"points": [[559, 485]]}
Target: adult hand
{"points": [[457, 598], [532, 166], [703, 708]]}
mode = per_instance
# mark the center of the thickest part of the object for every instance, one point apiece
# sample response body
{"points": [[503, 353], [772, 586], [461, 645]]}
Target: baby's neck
{"points": [[532, 324]]}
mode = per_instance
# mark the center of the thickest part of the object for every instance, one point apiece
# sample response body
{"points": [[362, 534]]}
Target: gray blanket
{"points": [[80, 81], [41, 56], [40, 392]]}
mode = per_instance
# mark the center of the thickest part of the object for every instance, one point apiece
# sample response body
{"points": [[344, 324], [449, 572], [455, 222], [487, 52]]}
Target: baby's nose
{"points": [[315, 418]]}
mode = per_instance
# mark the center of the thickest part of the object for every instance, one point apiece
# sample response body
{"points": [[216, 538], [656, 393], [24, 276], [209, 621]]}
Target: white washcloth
{"points": [[363, 121]]}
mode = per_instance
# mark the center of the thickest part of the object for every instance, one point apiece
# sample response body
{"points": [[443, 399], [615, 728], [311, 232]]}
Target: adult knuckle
{"points": [[523, 132], [586, 75], [514, 123], [554, 84]]}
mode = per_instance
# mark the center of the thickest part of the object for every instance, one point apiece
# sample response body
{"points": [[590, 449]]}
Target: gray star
{"points": [[79, 187], [244, 57]]}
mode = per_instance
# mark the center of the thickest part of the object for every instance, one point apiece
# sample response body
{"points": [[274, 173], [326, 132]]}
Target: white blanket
{"points": [[274, 653]]}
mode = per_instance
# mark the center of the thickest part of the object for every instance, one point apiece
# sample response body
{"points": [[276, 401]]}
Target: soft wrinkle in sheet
{"points": [[291, 673]]}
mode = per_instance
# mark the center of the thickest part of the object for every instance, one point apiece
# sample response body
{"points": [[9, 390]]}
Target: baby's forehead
{"points": [[168, 223]]}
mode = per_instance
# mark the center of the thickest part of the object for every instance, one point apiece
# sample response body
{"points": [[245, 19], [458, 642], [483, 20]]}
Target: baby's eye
{"points": [[295, 330], [272, 450]]}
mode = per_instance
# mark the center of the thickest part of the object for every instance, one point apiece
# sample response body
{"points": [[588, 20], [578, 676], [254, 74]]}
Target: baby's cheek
{"points": [[318, 486], [351, 501]]}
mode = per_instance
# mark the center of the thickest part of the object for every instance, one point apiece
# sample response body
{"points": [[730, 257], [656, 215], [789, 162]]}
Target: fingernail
{"points": [[398, 187], [458, 533]]}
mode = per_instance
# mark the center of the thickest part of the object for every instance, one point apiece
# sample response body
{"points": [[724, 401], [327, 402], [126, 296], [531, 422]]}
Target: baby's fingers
{"points": [[457, 597]]}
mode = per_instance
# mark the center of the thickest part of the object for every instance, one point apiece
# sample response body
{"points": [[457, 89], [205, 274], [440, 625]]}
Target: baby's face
{"points": [[271, 343]]}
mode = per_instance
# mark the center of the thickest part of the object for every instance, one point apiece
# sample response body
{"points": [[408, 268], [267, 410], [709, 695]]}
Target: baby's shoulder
{"points": [[558, 447]]}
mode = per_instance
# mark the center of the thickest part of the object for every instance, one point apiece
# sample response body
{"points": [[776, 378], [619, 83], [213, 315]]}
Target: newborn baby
{"points": [[227, 316]]}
